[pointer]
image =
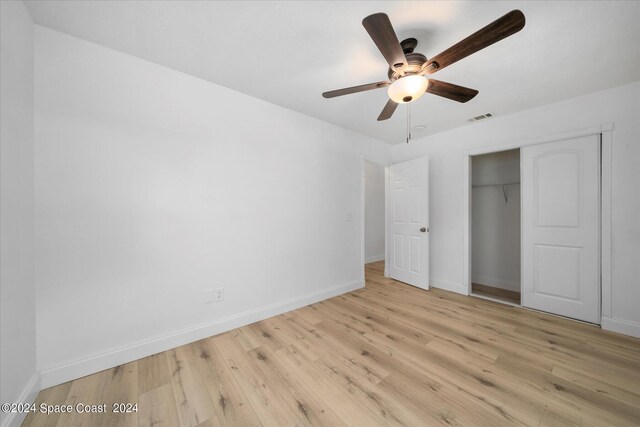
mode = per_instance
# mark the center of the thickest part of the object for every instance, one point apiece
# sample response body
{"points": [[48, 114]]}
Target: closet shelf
{"points": [[495, 185], [504, 192]]}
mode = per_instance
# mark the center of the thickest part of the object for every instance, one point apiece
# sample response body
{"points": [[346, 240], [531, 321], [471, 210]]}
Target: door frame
{"points": [[363, 183], [606, 139]]}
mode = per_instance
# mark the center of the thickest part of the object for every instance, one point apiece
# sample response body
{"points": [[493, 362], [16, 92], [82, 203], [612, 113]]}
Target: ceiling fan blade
{"points": [[381, 31], [388, 110], [451, 91], [499, 29], [354, 89]]}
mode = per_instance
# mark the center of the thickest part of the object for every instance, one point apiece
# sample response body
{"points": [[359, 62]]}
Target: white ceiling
{"points": [[288, 52]]}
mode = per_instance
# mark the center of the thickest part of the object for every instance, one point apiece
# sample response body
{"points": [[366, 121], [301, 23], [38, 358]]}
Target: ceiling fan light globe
{"points": [[408, 89]]}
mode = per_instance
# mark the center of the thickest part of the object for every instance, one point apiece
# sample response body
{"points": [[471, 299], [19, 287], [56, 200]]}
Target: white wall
{"points": [[17, 296], [373, 212], [152, 186], [495, 230], [620, 105]]}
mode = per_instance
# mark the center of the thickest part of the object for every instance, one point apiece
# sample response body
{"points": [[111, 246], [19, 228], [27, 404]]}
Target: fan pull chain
{"points": [[408, 122]]}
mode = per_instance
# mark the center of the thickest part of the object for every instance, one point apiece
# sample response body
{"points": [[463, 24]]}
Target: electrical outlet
{"points": [[219, 294], [209, 296], [349, 217]]}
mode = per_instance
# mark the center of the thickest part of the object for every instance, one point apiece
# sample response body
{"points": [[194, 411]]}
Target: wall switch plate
{"points": [[349, 217], [218, 294], [209, 296]]}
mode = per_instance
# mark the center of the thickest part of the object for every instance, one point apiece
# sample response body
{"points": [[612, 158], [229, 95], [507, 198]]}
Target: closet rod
{"points": [[504, 192], [495, 185]]}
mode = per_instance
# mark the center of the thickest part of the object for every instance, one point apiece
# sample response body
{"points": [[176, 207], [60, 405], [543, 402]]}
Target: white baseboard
{"points": [[28, 395], [80, 368], [374, 258], [621, 326], [502, 284], [449, 285]]}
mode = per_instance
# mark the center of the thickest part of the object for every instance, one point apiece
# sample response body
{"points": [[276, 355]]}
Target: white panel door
{"points": [[409, 222], [561, 227]]}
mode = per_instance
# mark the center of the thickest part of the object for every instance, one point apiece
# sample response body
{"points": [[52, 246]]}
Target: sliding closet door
{"points": [[561, 227]]}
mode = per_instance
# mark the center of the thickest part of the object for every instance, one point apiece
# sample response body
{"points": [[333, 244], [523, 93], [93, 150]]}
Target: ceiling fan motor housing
{"points": [[415, 60]]}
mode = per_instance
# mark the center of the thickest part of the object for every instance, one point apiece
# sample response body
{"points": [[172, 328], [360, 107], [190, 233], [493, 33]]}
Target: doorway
{"points": [[495, 226], [374, 212], [395, 220]]}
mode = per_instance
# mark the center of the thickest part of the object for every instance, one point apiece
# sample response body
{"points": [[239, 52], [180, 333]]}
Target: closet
{"points": [[495, 226], [535, 224]]}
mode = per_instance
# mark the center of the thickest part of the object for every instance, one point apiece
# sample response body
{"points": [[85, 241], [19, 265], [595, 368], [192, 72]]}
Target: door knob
{"points": [[423, 230]]}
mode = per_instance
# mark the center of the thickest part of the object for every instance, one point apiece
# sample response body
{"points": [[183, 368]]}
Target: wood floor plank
{"points": [[50, 396], [231, 405], [288, 336], [551, 419], [305, 334], [475, 386], [344, 401], [604, 387], [377, 321], [87, 391], [552, 390], [435, 326], [153, 372], [190, 393], [247, 341], [441, 406], [311, 314], [263, 395], [353, 357], [296, 393], [158, 408], [214, 422], [121, 389], [574, 348], [371, 397], [387, 354], [498, 293], [265, 333]]}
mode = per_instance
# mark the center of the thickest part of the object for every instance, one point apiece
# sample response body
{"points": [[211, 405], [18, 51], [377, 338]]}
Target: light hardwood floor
{"points": [[497, 293], [389, 354]]}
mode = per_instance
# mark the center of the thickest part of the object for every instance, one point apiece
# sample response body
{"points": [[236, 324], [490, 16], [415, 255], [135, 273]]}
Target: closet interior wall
{"points": [[495, 225]]}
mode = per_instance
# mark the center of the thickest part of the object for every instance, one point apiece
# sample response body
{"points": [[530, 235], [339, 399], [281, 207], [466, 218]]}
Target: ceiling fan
{"points": [[407, 69]]}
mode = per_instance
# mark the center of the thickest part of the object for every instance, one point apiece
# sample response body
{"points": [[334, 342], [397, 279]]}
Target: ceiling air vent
{"points": [[481, 117]]}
